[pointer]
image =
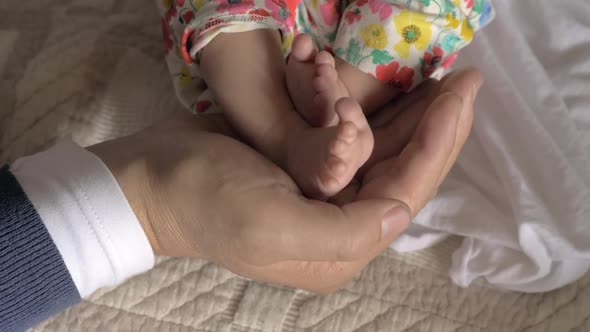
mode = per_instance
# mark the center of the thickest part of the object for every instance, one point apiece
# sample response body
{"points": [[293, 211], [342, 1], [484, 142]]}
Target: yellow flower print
{"points": [[466, 30], [414, 29], [314, 3], [453, 21], [198, 4], [166, 3], [184, 77], [374, 36]]}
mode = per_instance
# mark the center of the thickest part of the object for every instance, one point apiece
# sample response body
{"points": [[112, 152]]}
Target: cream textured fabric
{"points": [[93, 70]]}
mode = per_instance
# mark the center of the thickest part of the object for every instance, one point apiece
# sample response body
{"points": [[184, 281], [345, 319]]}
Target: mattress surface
{"points": [[93, 70]]}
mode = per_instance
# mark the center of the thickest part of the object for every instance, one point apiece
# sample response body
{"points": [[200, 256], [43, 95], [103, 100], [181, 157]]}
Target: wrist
{"points": [[128, 167], [87, 215]]}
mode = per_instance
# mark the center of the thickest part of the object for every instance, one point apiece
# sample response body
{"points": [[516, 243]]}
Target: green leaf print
{"points": [[331, 36], [353, 51], [449, 43], [425, 2], [448, 6], [381, 57], [478, 6]]}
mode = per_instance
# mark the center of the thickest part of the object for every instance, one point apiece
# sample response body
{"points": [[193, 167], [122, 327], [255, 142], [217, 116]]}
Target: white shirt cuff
{"points": [[81, 204]]}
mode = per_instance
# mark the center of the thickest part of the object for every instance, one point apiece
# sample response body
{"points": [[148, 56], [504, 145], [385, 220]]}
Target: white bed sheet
{"points": [[520, 193]]}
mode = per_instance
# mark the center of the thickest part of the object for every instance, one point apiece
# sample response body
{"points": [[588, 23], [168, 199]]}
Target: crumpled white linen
{"points": [[520, 192]]}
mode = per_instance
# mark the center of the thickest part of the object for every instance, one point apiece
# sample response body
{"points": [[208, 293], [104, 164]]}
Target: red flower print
{"points": [[431, 60], [281, 3], [234, 7], [170, 13], [167, 35], [278, 10], [434, 58], [381, 7], [449, 60], [353, 15], [290, 21], [259, 12], [330, 12], [361, 3], [391, 74], [180, 3], [202, 106], [468, 4], [187, 16]]}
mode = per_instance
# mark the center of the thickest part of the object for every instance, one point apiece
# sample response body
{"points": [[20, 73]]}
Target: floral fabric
{"points": [[403, 42], [399, 42]]}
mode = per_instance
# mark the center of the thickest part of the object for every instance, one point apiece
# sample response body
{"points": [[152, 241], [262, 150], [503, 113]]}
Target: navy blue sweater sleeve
{"points": [[34, 280]]}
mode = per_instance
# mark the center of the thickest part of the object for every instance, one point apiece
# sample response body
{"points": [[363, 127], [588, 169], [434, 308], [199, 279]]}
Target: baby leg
{"points": [[251, 89]]}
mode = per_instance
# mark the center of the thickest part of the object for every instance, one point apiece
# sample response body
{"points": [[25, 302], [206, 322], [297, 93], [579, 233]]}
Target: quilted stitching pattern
{"points": [[390, 295], [93, 70]]}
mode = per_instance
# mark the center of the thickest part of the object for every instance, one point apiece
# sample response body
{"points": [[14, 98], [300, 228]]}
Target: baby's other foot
{"points": [[324, 160], [313, 82]]}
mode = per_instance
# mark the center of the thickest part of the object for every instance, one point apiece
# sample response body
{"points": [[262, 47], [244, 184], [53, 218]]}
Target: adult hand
{"points": [[396, 130], [202, 194]]}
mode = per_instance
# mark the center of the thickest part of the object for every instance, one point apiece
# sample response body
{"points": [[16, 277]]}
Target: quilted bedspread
{"points": [[93, 70]]}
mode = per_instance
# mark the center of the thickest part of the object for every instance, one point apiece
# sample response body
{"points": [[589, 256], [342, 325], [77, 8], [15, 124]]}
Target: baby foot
{"points": [[324, 160], [313, 82]]}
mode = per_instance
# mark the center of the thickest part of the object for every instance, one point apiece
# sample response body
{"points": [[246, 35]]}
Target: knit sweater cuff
{"points": [[34, 281]]}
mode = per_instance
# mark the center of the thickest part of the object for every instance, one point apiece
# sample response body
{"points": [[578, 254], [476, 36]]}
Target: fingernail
{"points": [[395, 219]]}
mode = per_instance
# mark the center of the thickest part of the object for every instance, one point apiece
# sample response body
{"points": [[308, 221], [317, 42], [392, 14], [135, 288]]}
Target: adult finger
{"points": [[402, 102], [299, 229], [317, 276], [394, 131], [391, 138], [414, 175], [466, 84]]}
